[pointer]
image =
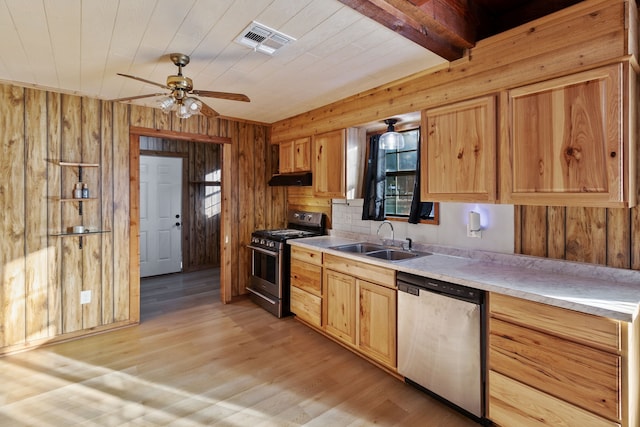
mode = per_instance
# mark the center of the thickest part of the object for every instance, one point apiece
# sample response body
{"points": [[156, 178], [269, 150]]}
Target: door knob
{"points": [[177, 215], [177, 224]]}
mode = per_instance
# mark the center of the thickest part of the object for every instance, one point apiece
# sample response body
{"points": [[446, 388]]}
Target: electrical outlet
{"points": [[474, 233], [85, 297]]}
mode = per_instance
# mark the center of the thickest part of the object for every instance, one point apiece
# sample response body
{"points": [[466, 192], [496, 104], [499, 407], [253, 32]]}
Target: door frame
{"points": [[185, 218], [134, 212]]}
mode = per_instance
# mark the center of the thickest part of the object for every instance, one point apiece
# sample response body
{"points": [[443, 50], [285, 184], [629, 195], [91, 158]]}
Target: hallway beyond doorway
{"points": [[171, 292]]}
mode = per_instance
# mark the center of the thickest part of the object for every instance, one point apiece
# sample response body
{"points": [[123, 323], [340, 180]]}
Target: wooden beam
{"points": [[448, 19], [414, 24], [182, 136]]}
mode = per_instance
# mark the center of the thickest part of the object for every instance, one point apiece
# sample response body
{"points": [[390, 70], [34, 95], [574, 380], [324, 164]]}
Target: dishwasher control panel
{"points": [[412, 285]]}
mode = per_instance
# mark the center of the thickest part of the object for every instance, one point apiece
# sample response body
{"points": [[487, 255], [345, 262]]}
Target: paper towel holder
{"points": [[474, 227]]}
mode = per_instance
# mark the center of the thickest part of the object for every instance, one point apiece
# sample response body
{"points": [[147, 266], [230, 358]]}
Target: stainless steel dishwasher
{"points": [[441, 340]]}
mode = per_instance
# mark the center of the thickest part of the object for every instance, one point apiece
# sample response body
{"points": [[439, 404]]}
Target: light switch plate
{"points": [[85, 297]]}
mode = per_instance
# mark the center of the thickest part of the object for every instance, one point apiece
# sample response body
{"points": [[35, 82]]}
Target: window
{"points": [[390, 182], [401, 175]]}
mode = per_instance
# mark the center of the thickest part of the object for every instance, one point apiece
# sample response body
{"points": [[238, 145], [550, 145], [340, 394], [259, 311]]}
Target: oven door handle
{"points": [[261, 296], [264, 251]]}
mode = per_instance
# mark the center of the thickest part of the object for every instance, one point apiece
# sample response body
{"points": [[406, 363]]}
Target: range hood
{"points": [[291, 179]]}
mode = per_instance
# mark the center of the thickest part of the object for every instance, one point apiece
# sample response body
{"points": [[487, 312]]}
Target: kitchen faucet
{"points": [[393, 238]]}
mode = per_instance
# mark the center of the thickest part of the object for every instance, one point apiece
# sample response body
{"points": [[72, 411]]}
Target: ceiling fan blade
{"points": [[207, 111], [221, 95], [145, 81], [130, 98]]}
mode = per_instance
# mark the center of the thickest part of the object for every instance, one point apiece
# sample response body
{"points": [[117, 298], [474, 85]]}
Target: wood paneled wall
{"points": [[42, 275], [595, 235]]}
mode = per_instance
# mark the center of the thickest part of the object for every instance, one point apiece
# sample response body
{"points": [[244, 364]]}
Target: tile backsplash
{"points": [[497, 225]]}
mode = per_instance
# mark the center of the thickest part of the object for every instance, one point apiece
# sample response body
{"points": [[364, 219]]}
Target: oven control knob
{"points": [[271, 244], [262, 241]]}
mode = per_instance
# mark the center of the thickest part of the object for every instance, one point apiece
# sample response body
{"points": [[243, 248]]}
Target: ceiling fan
{"points": [[181, 87]]}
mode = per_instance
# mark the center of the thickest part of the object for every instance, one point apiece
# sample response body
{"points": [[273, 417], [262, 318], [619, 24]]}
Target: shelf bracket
{"points": [[80, 243]]}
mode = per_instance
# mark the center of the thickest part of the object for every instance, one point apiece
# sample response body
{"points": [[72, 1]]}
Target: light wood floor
{"points": [[195, 362]]}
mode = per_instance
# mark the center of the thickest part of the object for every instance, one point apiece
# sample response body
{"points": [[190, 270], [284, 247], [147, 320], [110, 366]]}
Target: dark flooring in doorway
{"points": [[173, 292]]}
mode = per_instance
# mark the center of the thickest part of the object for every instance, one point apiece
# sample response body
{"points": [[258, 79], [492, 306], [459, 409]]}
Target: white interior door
{"points": [[160, 215]]}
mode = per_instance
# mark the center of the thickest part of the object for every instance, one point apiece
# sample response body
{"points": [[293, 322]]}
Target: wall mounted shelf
{"points": [[80, 166], [80, 235]]}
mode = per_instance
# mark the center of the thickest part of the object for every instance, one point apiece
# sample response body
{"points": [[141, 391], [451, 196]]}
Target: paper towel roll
{"points": [[474, 221]]}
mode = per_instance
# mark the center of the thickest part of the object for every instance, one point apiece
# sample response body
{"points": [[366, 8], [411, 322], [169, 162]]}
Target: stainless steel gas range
{"points": [[271, 258]]}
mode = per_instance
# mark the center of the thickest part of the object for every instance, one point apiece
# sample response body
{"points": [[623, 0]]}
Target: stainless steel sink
{"points": [[378, 251], [395, 255], [358, 248]]}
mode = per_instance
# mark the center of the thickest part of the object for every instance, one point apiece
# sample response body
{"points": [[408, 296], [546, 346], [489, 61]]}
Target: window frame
{"points": [[436, 206]]}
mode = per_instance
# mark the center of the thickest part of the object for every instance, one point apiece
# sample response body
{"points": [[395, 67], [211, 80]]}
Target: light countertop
{"points": [[588, 288]]}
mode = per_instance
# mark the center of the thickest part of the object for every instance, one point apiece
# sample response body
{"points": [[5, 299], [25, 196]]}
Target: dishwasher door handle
{"points": [[409, 289]]}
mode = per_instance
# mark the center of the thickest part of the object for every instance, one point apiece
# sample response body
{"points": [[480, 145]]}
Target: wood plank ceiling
{"points": [[80, 47], [448, 27]]}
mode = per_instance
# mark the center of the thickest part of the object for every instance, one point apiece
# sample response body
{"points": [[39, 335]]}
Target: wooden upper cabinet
{"points": [[295, 155], [302, 154], [286, 157], [458, 152], [568, 141], [329, 164]]}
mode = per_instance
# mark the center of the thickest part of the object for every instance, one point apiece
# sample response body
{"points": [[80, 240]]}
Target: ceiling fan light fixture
{"points": [[183, 112], [194, 105], [166, 103], [391, 140]]}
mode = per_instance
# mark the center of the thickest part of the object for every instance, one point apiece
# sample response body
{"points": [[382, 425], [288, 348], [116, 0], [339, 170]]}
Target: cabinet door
{"points": [[329, 164], [340, 306], [458, 152], [567, 141], [301, 154], [377, 322], [286, 157]]}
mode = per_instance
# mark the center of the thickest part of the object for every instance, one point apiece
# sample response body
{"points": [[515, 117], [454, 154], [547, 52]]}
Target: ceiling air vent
{"points": [[263, 39]]}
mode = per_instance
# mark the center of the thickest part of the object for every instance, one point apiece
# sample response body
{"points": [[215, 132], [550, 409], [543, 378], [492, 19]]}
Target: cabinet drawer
{"points": [[307, 277], [306, 255], [574, 372], [593, 330], [512, 403], [372, 273], [306, 306]]}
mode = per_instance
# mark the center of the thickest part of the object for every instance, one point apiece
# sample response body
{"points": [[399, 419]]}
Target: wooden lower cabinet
{"points": [[513, 403], [340, 308], [359, 312], [550, 366], [376, 334], [306, 285]]}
